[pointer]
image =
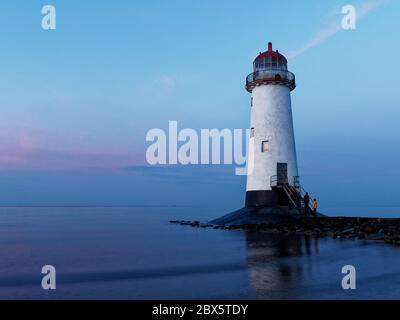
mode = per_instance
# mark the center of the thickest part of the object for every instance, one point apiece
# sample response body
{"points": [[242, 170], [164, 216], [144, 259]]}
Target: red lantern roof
{"points": [[271, 53]]}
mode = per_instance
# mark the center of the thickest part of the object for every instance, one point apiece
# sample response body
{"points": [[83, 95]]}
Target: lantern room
{"points": [[270, 67], [270, 60]]}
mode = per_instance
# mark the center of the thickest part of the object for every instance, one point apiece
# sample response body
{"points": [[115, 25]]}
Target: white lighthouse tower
{"points": [[273, 192], [273, 176]]}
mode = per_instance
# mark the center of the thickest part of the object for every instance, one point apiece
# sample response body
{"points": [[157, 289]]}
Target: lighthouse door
{"points": [[282, 173]]}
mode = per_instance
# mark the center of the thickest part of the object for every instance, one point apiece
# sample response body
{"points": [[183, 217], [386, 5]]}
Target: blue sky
{"points": [[77, 102]]}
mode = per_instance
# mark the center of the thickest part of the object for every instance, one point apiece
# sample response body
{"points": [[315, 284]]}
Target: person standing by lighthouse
{"points": [[272, 178]]}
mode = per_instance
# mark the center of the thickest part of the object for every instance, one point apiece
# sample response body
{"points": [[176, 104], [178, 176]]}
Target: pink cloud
{"points": [[11, 160], [41, 151], [15, 152]]}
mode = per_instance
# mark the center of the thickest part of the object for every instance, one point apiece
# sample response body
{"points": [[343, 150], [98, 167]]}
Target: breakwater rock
{"points": [[374, 229]]}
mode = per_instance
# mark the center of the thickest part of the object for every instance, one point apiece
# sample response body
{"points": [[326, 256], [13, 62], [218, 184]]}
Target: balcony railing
{"points": [[270, 76]]}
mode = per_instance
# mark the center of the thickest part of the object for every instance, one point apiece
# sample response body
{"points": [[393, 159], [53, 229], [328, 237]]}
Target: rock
{"points": [[361, 235], [387, 240], [346, 232], [235, 227], [339, 225], [375, 236], [387, 230], [368, 229]]}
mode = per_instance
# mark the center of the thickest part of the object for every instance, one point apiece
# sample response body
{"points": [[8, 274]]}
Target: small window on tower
{"points": [[265, 146], [251, 101], [252, 133]]}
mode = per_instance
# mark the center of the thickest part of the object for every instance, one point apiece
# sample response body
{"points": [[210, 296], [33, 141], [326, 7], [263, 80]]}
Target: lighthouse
{"points": [[273, 191], [272, 179]]}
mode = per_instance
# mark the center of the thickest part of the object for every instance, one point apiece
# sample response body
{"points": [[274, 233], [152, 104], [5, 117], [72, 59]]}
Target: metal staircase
{"points": [[294, 193]]}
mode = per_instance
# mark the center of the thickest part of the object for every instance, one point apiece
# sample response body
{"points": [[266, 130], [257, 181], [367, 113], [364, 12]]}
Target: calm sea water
{"points": [[134, 253]]}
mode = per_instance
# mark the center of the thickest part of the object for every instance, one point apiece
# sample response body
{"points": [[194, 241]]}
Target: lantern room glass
{"points": [[270, 63]]}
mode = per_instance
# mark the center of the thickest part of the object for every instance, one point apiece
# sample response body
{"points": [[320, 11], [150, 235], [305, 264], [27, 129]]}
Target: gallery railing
{"points": [[270, 76]]}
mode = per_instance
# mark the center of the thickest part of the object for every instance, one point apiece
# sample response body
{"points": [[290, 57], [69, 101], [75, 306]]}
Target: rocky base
{"points": [[378, 229], [259, 215]]}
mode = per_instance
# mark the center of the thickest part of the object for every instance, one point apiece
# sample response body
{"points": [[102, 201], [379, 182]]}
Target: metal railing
{"points": [[278, 180], [294, 192], [302, 192], [274, 76]]}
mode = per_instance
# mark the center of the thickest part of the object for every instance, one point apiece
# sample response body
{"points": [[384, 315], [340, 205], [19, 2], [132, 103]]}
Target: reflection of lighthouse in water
{"points": [[272, 272]]}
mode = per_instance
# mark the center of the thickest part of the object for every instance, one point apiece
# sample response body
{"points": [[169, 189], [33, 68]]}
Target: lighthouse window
{"points": [[252, 133], [274, 62], [265, 146]]}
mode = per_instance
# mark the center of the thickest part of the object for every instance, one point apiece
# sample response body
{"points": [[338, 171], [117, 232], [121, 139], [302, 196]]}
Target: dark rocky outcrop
{"points": [[373, 229]]}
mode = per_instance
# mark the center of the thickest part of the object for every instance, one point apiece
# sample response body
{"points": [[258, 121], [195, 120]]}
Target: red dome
{"points": [[270, 53]]}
